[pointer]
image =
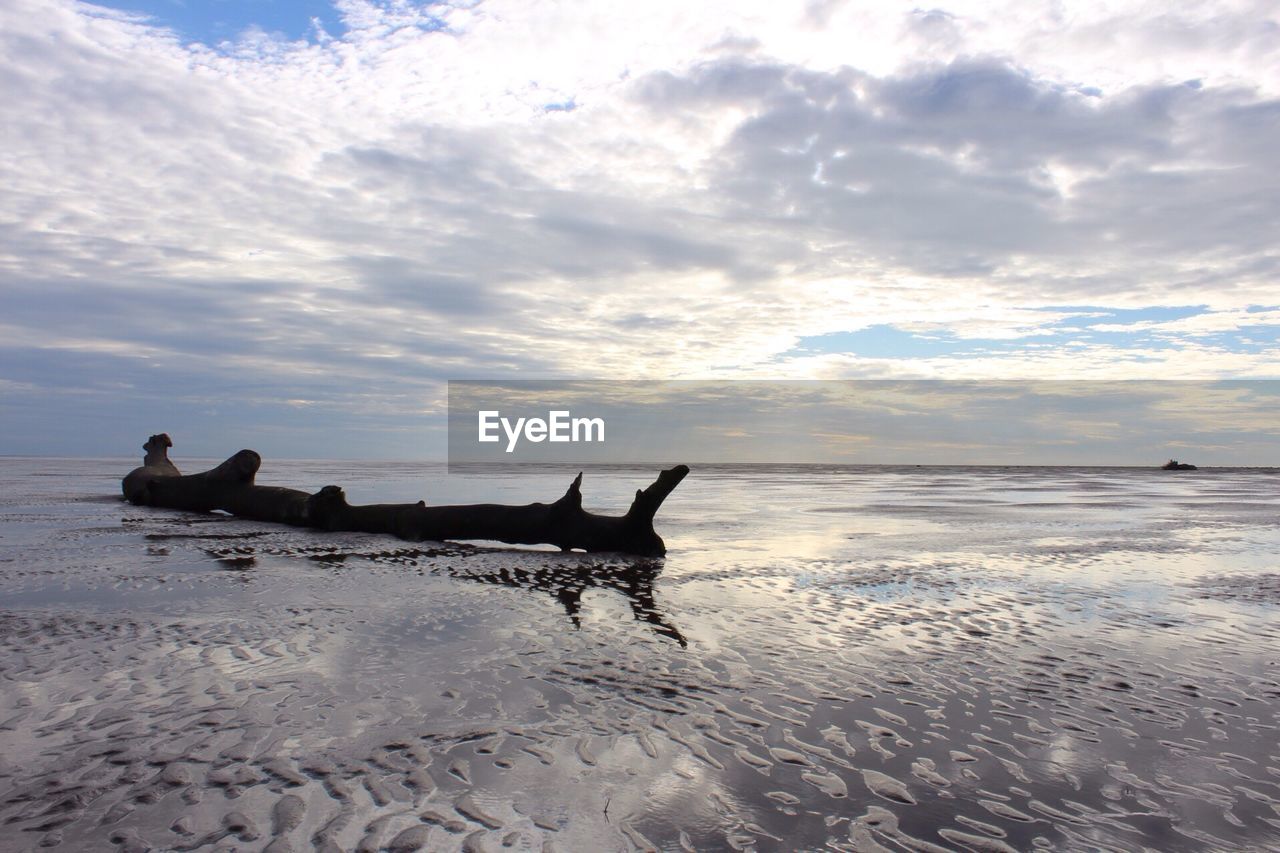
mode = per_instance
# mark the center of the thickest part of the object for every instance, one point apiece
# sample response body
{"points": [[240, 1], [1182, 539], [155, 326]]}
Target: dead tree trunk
{"points": [[230, 487], [155, 464]]}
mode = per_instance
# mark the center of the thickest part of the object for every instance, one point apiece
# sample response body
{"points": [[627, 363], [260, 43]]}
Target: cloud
{"points": [[963, 169], [353, 219]]}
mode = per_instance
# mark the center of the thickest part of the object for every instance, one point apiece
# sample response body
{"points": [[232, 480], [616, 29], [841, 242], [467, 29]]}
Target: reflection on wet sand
{"points": [[565, 579], [566, 582], [1012, 660]]}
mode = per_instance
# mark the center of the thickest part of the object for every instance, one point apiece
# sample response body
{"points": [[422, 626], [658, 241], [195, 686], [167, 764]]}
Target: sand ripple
{"points": [[186, 682]]}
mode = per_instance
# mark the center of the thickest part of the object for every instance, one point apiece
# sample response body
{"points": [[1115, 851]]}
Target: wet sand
{"points": [[850, 659]]}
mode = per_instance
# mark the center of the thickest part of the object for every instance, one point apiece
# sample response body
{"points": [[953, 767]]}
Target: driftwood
{"points": [[155, 464], [230, 488]]}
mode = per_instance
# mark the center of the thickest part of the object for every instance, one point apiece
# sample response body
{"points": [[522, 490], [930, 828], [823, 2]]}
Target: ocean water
{"points": [[848, 658]]}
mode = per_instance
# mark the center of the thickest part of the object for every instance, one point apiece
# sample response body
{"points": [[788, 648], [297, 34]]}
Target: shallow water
{"points": [[844, 658]]}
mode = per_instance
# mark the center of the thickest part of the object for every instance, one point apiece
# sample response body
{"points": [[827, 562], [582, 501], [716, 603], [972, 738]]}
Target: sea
{"points": [[859, 658]]}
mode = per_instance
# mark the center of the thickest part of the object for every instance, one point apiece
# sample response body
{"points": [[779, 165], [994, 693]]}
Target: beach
{"points": [[829, 657]]}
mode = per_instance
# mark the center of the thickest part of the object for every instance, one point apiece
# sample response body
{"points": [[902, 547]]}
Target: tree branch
{"points": [[230, 487]]}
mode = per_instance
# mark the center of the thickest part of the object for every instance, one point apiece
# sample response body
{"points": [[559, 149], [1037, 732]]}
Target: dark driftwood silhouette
{"points": [[155, 464], [230, 487]]}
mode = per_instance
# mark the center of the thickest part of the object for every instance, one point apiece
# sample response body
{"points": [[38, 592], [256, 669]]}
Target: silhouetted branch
{"points": [[230, 487]]}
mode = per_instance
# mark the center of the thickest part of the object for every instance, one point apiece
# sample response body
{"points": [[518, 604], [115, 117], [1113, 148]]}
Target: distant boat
{"points": [[1175, 465]]}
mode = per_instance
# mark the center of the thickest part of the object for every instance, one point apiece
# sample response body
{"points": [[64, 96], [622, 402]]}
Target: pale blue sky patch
{"points": [[217, 22], [884, 341], [1157, 327], [1094, 315], [1078, 325], [211, 22], [1083, 326]]}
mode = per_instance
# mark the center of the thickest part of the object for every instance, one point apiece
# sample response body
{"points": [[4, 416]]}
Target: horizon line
{"points": [[664, 464]]}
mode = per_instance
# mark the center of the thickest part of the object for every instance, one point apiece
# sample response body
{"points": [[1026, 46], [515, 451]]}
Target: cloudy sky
{"points": [[286, 224]]}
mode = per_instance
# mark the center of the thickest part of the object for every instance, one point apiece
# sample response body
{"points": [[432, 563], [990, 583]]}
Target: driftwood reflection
{"points": [[634, 578], [564, 578]]}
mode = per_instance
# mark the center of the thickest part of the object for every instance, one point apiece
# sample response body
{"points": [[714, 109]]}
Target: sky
{"points": [[286, 225]]}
